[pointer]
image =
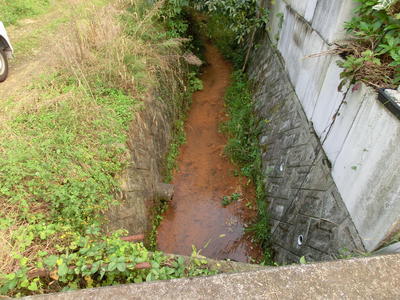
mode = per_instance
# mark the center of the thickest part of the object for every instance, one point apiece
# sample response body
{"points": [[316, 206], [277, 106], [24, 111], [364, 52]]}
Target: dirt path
{"points": [[35, 41], [196, 215]]}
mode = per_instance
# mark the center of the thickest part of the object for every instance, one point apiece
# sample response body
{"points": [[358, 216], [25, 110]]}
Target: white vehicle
{"points": [[6, 51]]}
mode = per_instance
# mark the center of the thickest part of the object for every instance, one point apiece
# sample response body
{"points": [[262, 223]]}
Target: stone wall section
{"points": [[341, 143], [304, 201], [142, 185]]}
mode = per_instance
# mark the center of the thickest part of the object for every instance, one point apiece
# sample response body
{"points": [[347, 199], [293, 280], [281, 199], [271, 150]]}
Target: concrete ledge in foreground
{"points": [[364, 278]]}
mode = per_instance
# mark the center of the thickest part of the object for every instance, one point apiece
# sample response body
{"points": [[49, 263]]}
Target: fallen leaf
{"points": [[54, 275]]}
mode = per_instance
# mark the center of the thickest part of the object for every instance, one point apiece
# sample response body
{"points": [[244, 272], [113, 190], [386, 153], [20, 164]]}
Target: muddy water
{"points": [[204, 176]]}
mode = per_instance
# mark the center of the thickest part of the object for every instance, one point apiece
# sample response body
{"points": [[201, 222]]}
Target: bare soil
{"points": [[205, 175]]}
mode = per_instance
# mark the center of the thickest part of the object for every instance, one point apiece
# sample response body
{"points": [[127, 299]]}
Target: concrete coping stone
{"points": [[359, 278]]}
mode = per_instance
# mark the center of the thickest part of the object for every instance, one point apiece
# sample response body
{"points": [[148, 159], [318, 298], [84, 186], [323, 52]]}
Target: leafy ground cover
{"points": [[63, 144]]}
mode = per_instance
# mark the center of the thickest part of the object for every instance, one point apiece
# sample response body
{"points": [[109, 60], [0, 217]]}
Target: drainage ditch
{"points": [[211, 207]]}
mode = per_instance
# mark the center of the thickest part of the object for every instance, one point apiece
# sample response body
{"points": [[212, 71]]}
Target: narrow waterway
{"points": [[204, 176]]}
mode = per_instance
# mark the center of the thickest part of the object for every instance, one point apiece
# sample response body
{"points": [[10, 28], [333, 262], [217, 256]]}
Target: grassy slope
{"points": [[29, 35], [14, 10], [62, 147]]}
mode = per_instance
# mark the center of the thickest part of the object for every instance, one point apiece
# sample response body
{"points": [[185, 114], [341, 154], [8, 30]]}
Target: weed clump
{"points": [[226, 200], [373, 55]]}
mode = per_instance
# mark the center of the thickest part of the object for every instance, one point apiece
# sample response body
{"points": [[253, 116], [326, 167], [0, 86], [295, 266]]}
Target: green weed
{"points": [[226, 200], [232, 23], [242, 17], [178, 140], [175, 19], [195, 83]]}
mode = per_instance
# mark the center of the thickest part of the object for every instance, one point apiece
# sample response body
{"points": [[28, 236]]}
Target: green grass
{"points": [[25, 46], [65, 158], [58, 173], [14, 10]]}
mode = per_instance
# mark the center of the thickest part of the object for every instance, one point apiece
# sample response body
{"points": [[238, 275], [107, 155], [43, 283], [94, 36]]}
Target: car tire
{"points": [[3, 66]]}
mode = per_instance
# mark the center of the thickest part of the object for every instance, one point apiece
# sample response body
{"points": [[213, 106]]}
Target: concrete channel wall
{"points": [[331, 157]]}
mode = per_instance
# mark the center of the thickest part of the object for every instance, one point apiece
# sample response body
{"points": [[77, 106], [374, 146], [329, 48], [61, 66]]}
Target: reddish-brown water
{"points": [[196, 215]]}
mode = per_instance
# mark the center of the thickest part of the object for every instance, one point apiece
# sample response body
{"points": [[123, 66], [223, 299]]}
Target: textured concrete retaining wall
{"points": [[148, 142], [330, 156], [304, 200]]}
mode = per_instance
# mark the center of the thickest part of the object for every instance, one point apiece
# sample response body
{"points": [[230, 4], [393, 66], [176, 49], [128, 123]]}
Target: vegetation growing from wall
{"points": [[60, 155], [13, 10], [179, 136], [373, 56], [243, 148]]}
